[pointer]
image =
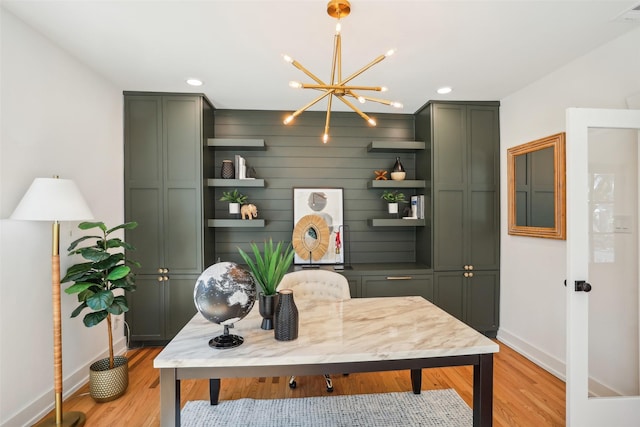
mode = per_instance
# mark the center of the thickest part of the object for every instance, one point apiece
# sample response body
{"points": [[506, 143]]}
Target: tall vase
{"points": [[286, 317], [398, 173], [267, 308], [228, 170]]}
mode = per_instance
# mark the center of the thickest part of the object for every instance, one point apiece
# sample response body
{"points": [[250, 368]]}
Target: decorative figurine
{"points": [[381, 175], [249, 211]]}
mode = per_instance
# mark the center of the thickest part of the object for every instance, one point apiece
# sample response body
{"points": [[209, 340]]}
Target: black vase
{"points": [[285, 326], [267, 308], [398, 173], [228, 170], [397, 167]]}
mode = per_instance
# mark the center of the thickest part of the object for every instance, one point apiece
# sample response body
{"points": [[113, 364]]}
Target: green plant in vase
{"points": [[268, 267], [393, 197], [107, 269], [235, 199]]}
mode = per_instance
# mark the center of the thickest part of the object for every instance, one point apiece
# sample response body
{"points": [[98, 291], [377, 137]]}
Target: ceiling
{"points": [[484, 50]]}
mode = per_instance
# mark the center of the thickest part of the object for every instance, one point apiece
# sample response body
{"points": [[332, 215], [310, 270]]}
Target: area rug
{"points": [[437, 408]]}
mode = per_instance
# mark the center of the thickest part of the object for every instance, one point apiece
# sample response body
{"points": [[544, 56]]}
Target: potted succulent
{"points": [[107, 269], [393, 197], [235, 199], [267, 269]]}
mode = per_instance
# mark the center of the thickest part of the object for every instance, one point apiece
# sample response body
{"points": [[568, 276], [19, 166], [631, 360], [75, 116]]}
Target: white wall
{"points": [[532, 317], [58, 117]]}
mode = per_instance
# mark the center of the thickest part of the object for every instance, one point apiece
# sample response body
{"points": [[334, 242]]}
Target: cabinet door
{"points": [[482, 296], [482, 208], [398, 285], [449, 186], [146, 314], [143, 161], [182, 143], [448, 293], [179, 306]]}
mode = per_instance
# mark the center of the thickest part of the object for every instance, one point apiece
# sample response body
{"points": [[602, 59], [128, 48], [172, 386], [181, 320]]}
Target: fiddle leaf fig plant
{"points": [[107, 270]]}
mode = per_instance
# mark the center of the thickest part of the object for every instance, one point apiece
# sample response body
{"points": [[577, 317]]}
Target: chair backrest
{"points": [[317, 284]]}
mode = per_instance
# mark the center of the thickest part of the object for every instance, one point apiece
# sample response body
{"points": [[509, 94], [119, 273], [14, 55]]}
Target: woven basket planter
{"points": [[107, 384]]}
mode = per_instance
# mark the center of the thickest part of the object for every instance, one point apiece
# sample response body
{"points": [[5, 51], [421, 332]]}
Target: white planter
{"points": [[234, 208], [393, 208]]}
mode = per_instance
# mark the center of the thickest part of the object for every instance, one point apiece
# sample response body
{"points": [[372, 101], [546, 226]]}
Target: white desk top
{"points": [[360, 329]]}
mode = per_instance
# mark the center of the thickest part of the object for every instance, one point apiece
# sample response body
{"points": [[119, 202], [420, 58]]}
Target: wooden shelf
{"points": [[405, 183], [218, 182], [395, 146], [396, 222], [236, 144], [236, 223]]}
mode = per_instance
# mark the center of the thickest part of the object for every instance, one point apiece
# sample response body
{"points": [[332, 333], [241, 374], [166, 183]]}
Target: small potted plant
{"points": [[107, 269], [393, 197], [267, 269], [235, 199]]}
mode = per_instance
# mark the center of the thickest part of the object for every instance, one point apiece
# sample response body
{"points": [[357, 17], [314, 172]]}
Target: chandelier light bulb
{"points": [[325, 138], [338, 28], [372, 122], [396, 104], [295, 85], [389, 53], [384, 89], [287, 58], [288, 120], [362, 100]]}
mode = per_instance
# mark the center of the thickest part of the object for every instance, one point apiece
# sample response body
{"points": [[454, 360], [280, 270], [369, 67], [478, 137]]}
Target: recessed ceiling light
{"points": [[444, 90], [194, 82]]}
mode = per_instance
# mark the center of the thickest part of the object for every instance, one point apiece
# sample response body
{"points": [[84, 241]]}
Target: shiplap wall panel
{"points": [[296, 157]]}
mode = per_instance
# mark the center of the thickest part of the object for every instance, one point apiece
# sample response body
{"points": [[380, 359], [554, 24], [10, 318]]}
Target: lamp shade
{"points": [[52, 199]]}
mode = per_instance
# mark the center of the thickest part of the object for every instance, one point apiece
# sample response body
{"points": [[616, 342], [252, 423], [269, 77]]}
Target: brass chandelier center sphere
{"points": [[338, 8]]}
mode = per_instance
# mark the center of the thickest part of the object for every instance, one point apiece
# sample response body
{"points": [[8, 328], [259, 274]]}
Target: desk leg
{"points": [[169, 398], [483, 391], [416, 380], [214, 390]]}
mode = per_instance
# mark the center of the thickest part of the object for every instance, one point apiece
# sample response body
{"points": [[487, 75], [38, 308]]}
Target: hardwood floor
{"points": [[524, 394]]}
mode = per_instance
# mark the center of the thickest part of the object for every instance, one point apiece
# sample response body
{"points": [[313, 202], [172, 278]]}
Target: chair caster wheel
{"points": [[330, 389], [292, 384]]}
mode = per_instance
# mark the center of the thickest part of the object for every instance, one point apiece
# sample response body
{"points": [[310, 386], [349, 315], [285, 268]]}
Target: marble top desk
{"points": [[358, 335]]}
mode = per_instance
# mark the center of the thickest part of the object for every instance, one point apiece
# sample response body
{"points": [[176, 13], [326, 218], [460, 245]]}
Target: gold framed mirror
{"points": [[537, 188]]}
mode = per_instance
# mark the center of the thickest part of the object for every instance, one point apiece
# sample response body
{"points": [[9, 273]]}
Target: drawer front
{"points": [[398, 285]]}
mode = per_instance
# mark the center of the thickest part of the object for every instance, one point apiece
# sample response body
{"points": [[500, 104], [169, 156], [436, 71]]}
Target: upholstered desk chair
{"points": [[316, 285]]}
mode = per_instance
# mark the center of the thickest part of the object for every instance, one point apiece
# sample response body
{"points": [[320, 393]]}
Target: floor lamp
{"points": [[54, 199]]}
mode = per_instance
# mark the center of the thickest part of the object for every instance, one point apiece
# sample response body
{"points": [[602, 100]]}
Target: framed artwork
{"points": [[318, 226]]}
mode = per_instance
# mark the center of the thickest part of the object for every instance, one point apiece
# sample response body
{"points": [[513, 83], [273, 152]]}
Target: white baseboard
{"points": [[43, 404], [547, 362]]}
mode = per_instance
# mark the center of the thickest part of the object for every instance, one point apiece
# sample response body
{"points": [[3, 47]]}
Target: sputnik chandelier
{"points": [[338, 86]]}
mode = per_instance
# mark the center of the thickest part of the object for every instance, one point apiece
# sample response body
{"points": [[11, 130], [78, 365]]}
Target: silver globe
{"points": [[224, 294]]}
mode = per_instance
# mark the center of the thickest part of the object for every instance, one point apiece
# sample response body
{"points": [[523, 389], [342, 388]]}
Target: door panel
{"points": [[448, 293], [602, 250], [180, 306], [146, 318], [449, 252]]}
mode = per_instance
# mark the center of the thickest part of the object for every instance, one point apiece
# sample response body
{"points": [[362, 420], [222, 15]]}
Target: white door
{"points": [[603, 362]]}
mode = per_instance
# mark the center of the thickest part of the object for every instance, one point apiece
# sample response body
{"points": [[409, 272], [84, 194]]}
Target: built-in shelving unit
{"points": [[405, 183], [396, 222], [236, 223], [236, 144], [219, 182], [395, 146]]}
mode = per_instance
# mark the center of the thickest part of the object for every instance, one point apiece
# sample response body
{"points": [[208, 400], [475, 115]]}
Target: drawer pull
{"points": [[399, 277]]}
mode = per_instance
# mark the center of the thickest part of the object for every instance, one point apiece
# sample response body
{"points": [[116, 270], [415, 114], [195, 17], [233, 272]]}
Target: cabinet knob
{"points": [[466, 274], [160, 279], [165, 270], [470, 275], [470, 267], [165, 278], [160, 270], [466, 267]]}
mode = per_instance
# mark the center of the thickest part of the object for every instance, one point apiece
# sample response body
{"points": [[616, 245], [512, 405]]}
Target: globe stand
{"points": [[226, 340]]}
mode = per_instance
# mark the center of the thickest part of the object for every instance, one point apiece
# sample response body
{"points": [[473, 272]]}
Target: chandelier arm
{"points": [[357, 110], [339, 47], [300, 67], [301, 110], [336, 58], [328, 118], [363, 69], [340, 86], [378, 100]]}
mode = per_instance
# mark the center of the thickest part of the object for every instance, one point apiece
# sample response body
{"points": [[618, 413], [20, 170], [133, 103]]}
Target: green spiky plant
{"points": [[269, 267], [233, 197], [107, 270], [393, 196]]}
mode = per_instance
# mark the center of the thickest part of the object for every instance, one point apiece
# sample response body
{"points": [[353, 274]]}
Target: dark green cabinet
{"points": [[398, 284], [465, 145], [164, 137], [472, 297]]}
